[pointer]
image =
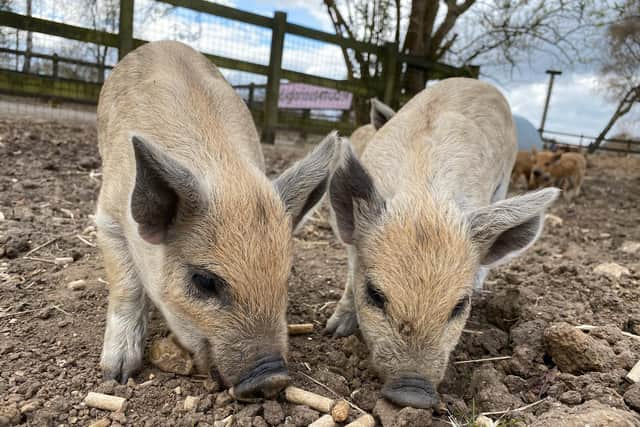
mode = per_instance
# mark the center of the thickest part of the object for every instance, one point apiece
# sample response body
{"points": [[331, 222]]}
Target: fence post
{"points": [[273, 79], [125, 30], [390, 75], [55, 65], [252, 88]]}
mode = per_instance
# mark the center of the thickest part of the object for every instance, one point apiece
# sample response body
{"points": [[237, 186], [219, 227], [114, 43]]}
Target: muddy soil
{"points": [[51, 331]]}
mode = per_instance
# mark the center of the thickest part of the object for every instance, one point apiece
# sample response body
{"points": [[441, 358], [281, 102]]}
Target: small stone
{"points": [[223, 399], [10, 415], [571, 397], [632, 397], [16, 246], [178, 390], [386, 412], [190, 403], [45, 313], [119, 417], [249, 411], [303, 416], [553, 220], [77, 285], [30, 406], [576, 352], [611, 269], [630, 247], [205, 404], [272, 412], [167, 355], [1, 216]]}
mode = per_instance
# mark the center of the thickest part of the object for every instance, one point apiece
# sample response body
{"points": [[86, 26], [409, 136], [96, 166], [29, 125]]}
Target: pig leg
{"points": [[343, 322], [127, 312], [567, 188]]}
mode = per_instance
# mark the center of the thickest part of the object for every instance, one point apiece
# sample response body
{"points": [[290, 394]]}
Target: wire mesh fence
{"points": [[204, 32]]}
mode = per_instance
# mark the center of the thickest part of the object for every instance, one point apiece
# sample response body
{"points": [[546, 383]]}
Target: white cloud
{"points": [[576, 106]]}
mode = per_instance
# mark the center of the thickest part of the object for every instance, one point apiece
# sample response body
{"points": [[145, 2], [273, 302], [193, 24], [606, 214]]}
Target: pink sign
{"points": [[304, 96]]}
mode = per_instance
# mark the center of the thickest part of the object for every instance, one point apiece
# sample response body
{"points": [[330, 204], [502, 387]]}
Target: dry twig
{"points": [[85, 241], [588, 328], [37, 248], [520, 409], [48, 261], [487, 359]]}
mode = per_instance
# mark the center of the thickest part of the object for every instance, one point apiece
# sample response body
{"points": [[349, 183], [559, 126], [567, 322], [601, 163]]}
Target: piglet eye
{"points": [[209, 285], [375, 296], [460, 307]]}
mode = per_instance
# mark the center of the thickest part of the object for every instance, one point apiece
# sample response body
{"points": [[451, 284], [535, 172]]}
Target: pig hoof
{"points": [[342, 324], [119, 368]]}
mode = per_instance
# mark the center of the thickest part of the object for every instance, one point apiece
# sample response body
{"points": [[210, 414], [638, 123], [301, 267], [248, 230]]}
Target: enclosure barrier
{"points": [[56, 86], [582, 142]]}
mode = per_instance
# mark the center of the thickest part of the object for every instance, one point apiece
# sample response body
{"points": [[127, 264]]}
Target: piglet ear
{"points": [[163, 189], [506, 228], [353, 195], [380, 113], [302, 185]]}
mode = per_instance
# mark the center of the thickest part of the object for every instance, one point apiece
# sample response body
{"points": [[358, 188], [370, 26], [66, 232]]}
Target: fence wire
{"points": [[204, 32], [313, 57]]}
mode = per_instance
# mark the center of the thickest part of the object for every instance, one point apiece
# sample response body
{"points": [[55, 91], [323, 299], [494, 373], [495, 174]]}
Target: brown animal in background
{"points": [[380, 114], [523, 166], [188, 220], [423, 215], [564, 170]]}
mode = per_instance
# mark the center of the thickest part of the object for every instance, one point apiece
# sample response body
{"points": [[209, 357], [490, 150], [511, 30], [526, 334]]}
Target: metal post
{"points": [[273, 79], [552, 75], [125, 30]]}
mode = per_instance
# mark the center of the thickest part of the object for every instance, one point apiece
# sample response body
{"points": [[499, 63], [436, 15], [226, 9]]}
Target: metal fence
{"points": [[63, 50], [580, 142]]}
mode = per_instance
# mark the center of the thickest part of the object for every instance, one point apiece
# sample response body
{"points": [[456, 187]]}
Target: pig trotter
{"points": [[343, 322], [123, 344], [127, 311]]}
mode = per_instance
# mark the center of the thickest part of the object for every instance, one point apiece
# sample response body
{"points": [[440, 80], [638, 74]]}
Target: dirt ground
{"points": [[551, 373]]}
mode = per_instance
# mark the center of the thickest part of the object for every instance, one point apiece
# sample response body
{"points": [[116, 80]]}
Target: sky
{"points": [[577, 106]]}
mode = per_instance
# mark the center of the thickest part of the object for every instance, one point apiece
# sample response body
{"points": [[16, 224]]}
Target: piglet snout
{"points": [[416, 392], [267, 378]]}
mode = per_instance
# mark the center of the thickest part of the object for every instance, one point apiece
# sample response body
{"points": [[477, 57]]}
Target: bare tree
{"points": [[620, 70], [463, 31], [372, 22]]}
